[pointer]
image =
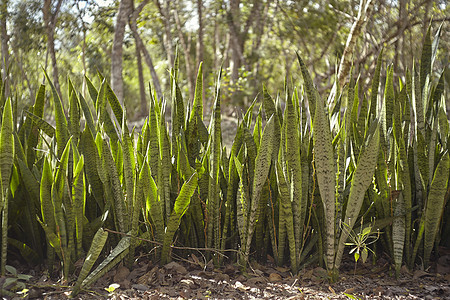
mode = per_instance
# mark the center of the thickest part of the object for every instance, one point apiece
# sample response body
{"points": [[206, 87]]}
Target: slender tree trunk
{"points": [[165, 15], [83, 53], [234, 25], [199, 49], [124, 11], [401, 29], [142, 49], [185, 46], [144, 108], [50, 24], [365, 8], [216, 43], [5, 39]]}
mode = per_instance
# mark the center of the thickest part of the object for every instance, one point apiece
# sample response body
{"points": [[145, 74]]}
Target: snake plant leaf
{"points": [[177, 116], [100, 102], [92, 159], [120, 211], [98, 242], [268, 103], [444, 127], [62, 132], [27, 252], [129, 162], [417, 103], [79, 202], [42, 124], [116, 107], [116, 255], [104, 117], [197, 106], [294, 171], [6, 163], [179, 209], [153, 206], [33, 138], [435, 205], [399, 231], [262, 165], [326, 174], [30, 182], [45, 196], [375, 86], [242, 200], [165, 167], [387, 107], [432, 149], [135, 212], [92, 90], [6, 145], [74, 113], [437, 93], [310, 90], [153, 148], [286, 220], [213, 204], [52, 238], [435, 44], [87, 112], [426, 58], [405, 186], [362, 178], [183, 167]]}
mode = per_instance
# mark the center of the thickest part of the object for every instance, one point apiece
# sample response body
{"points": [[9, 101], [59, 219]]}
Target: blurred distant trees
{"points": [[133, 43]]}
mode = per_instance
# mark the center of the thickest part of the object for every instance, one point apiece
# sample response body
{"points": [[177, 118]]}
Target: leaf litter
{"points": [[194, 279]]}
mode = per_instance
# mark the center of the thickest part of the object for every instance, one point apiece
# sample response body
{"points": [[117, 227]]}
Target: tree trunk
{"points": [[142, 49], [199, 49], [50, 24], [5, 39], [236, 53], [81, 16], [165, 15], [365, 7], [399, 43], [185, 46], [144, 108], [117, 49]]}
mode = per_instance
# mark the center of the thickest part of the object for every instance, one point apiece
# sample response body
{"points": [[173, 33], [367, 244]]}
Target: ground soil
{"points": [[192, 278]]}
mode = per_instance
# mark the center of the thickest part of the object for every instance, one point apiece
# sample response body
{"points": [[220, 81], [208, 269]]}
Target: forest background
{"points": [[134, 43]]}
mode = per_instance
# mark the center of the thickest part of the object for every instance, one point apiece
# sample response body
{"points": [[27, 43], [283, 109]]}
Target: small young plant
{"points": [[360, 241]]}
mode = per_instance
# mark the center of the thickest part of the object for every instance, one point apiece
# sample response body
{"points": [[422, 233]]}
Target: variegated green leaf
{"points": [[435, 205], [326, 174], [179, 209], [98, 242], [6, 162], [62, 132], [362, 177]]}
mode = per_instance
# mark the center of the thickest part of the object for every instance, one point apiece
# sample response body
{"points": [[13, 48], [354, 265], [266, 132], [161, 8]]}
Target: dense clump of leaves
{"points": [[322, 165]]}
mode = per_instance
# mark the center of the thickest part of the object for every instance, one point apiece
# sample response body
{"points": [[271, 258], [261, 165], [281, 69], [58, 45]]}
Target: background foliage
{"points": [[254, 40]]}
